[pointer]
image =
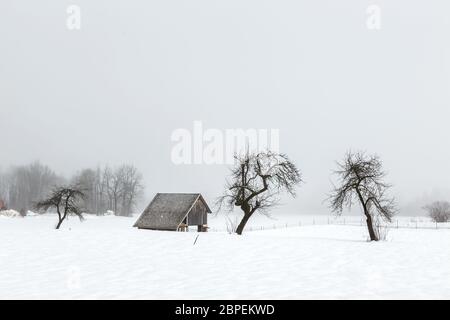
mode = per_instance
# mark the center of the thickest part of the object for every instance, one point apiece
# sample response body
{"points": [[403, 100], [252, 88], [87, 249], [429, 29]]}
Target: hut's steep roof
{"points": [[167, 210]]}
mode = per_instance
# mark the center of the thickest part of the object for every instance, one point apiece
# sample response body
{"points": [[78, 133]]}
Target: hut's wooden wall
{"points": [[198, 214]]}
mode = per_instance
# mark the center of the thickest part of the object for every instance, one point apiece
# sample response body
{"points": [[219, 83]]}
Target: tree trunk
{"points": [[372, 234], [59, 224], [60, 220], [243, 222]]}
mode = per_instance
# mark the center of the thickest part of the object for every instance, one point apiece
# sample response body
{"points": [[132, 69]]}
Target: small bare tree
{"points": [[439, 211], [256, 183], [66, 202], [361, 179]]}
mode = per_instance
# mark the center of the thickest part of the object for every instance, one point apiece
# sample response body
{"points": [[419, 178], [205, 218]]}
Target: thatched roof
{"points": [[168, 210]]}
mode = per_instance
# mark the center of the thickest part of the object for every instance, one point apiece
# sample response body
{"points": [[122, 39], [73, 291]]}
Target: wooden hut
{"points": [[175, 212]]}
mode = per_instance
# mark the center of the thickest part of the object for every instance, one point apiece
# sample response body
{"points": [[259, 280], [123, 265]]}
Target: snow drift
{"points": [[10, 214]]}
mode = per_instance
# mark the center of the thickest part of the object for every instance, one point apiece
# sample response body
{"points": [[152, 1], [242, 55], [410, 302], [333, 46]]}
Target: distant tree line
{"points": [[106, 189], [21, 186], [117, 190]]}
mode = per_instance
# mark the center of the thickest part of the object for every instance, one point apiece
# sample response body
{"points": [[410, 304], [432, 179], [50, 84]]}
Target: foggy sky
{"points": [[115, 90]]}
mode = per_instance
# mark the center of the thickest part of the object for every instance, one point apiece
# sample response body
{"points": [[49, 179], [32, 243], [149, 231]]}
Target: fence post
{"points": [[397, 223]]}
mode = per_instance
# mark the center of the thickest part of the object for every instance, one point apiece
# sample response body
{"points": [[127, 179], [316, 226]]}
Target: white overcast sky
{"points": [[115, 90]]}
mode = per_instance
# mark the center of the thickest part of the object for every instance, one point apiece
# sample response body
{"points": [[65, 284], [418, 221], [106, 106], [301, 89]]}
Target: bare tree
{"points": [[87, 181], [361, 179], [66, 202], [439, 211], [101, 194], [132, 188], [256, 183], [114, 187]]}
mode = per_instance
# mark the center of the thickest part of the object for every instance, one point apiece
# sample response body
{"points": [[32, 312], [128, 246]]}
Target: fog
{"points": [[114, 91]]}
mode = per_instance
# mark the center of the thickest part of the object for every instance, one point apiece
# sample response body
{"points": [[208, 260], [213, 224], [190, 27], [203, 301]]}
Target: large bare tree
{"points": [[256, 183], [65, 200], [361, 180]]}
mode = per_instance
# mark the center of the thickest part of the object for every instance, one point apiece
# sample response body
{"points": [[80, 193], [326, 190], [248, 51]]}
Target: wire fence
{"points": [[401, 223]]}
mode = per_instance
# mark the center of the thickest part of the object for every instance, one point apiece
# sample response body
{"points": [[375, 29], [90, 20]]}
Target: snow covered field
{"points": [[104, 257]]}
